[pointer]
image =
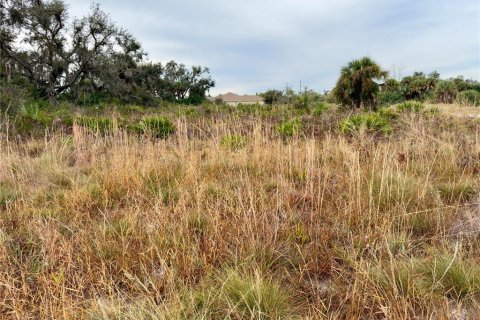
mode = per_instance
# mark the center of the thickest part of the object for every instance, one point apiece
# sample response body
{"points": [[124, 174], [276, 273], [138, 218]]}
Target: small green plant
{"points": [[289, 128], [371, 122], [156, 126], [454, 277], [410, 106], [300, 235], [233, 141], [469, 98], [97, 124]]}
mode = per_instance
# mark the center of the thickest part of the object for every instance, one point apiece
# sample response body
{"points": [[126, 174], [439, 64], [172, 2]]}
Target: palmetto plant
{"points": [[356, 86]]}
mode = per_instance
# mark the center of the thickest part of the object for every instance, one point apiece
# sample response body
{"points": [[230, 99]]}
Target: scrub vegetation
{"points": [[125, 193]]}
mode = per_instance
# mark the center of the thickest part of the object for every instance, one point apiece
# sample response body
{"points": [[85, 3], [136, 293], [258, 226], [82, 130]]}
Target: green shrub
{"points": [[469, 98], [289, 128], [410, 106], [387, 98], [32, 118], [156, 126], [233, 141], [372, 123], [445, 92], [320, 109], [387, 113], [302, 102], [36, 112]]}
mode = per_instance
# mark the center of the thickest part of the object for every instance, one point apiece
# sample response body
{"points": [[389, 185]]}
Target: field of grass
{"points": [[253, 215]]}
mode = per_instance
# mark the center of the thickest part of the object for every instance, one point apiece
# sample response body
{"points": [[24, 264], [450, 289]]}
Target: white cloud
{"points": [[251, 45]]}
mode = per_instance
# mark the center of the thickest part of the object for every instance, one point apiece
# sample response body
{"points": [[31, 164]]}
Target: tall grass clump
{"points": [[234, 295], [233, 141]]}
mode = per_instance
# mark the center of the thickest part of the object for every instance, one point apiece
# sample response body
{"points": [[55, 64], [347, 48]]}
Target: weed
{"points": [[289, 128], [410, 106]]}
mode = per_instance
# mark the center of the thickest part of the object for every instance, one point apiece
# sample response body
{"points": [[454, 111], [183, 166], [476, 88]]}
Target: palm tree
{"points": [[356, 86]]}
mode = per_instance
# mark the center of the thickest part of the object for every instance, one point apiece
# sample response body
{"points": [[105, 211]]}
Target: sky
{"points": [[252, 46]]}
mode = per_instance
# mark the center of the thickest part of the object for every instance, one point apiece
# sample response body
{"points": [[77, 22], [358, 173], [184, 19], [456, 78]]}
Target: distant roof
{"points": [[232, 97]]}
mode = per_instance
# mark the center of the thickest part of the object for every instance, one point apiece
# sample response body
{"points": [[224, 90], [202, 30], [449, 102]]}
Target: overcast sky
{"points": [[251, 46]]}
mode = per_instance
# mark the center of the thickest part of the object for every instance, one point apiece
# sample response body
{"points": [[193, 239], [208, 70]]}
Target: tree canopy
{"points": [[91, 55]]}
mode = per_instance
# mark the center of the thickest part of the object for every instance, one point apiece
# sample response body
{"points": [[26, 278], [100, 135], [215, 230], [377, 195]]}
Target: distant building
{"points": [[233, 99]]}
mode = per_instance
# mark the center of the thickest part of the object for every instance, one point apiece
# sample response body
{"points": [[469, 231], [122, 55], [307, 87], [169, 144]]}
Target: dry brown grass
{"points": [[322, 226], [458, 110]]}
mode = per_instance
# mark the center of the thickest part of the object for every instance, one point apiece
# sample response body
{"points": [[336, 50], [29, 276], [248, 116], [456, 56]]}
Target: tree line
{"points": [[45, 55], [364, 84]]}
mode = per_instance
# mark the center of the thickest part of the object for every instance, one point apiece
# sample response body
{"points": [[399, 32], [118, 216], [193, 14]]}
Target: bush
{"points": [[372, 122], [469, 98], [289, 128], [419, 86], [387, 113], [387, 98], [410, 106], [445, 92], [32, 118], [320, 109], [156, 126], [302, 101]]}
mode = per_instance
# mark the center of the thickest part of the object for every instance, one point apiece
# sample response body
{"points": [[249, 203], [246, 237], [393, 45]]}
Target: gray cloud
{"points": [[251, 46]]}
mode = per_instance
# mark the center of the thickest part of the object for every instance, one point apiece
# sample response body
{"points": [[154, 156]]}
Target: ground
{"points": [[280, 214]]}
